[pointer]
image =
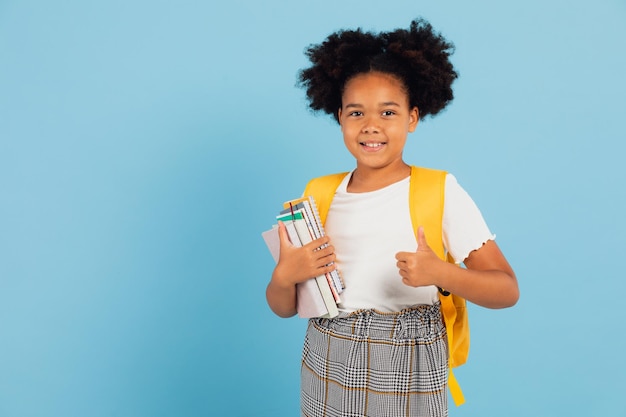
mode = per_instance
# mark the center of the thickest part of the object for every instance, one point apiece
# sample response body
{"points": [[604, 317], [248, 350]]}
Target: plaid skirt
{"points": [[376, 364]]}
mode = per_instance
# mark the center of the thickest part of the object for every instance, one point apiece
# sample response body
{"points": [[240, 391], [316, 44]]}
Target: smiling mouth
{"points": [[372, 145]]}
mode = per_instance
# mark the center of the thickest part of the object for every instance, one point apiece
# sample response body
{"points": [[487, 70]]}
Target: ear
{"points": [[414, 118], [339, 117]]}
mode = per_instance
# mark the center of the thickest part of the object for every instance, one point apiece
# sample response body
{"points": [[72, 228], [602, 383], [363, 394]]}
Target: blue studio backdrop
{"points": [[144, 147]]}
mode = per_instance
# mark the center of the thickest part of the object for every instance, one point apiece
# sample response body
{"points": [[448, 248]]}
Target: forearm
{"points": [[281, 298], [487, 288]]}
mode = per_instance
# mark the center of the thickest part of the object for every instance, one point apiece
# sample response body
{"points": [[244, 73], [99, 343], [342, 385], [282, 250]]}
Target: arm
{"points": [[295, 265], [488, 281]]}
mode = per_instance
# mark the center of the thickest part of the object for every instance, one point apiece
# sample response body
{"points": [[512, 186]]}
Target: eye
{"points": [[388, 113], [356, 113]]}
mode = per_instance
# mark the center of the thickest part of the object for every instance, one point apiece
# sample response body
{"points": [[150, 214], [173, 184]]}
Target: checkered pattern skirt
{"points": [[376, 364]]}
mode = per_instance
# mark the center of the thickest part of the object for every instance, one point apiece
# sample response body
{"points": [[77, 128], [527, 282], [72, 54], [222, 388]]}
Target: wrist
{"points": [[443, 277], [280, 280]]}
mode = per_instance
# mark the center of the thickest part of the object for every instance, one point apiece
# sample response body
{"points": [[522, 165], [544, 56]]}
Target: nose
{"points": [[370, 126]]}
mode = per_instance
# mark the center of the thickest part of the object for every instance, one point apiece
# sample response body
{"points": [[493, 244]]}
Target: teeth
{"points": [[372, 145]]}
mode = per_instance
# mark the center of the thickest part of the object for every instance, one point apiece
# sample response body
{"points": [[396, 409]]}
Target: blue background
{"points": [[145, 145]]}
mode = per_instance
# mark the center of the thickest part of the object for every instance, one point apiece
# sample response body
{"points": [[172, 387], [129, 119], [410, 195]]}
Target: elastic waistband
{"points": [[418, 322]]}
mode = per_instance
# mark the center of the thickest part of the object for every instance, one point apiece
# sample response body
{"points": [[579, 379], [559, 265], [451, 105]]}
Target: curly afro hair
{"points": [[418, 57]]}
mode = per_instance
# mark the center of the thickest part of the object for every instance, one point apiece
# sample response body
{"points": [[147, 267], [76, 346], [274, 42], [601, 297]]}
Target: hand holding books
{"points": [[299, 263], [319, 295]]}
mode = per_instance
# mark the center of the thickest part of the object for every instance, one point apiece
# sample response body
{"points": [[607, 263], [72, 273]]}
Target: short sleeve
{"points": [[464, 228]]}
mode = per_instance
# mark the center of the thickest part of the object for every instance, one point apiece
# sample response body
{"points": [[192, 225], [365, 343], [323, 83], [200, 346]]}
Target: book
{"points": [[310, 300], [309, 209], [307, 232], [314, 297], [300, 225], [318, 296]]}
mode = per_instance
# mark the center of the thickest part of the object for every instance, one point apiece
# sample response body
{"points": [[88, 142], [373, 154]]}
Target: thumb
{"points": [[422, 244], [283, 235]]}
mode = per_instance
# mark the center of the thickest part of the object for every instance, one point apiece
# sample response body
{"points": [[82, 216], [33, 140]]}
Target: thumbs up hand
{"points": [[419, 268]]}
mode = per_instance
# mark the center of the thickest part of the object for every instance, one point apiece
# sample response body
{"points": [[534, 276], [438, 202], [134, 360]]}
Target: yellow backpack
{"points": [[426, 192]]}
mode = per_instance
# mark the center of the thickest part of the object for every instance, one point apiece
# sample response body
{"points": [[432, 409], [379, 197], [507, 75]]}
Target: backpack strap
{"points": [[427, 191], [322, 189]]}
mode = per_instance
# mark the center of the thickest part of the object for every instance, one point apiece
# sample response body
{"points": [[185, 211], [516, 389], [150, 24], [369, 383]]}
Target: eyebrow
{"points": [[383, 104]]}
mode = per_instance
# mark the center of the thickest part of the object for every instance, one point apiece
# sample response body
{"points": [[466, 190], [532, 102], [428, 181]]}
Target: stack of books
{"points": [[319, 296]]}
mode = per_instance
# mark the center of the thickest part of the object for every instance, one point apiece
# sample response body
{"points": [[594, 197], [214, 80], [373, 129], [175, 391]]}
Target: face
{"points": [[375, 119]]}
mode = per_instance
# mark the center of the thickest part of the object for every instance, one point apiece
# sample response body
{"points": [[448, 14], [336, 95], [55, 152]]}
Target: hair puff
{"points": [[418, 57]]}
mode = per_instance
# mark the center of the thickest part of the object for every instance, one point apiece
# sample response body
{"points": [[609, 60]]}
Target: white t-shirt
{"points": [[368, 229]]}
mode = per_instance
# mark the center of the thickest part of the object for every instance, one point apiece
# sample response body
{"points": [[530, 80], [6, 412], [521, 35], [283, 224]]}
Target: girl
{"points": [[386, 353]]}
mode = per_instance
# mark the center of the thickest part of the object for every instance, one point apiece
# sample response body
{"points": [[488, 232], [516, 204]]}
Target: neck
{"points": [[372, 179]]}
